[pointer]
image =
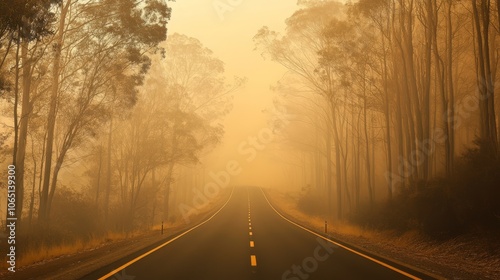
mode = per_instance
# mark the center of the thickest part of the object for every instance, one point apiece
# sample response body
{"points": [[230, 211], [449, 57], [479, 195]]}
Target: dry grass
{"points": [[43, 253], [289, 202]]}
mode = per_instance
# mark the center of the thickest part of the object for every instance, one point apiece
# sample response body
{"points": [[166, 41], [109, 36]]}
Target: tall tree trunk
{"points": [[373, 161], [441, 88], [426, 105], [55, 174], [450, 114], [23, 129], [16, 104], [329, 185], [42, 161], [16, 122], [153, 186], [166, 191], [490, 102], [338, 152], [488, 129], [173, 156], [395, 46], [480, 72], [498, 12], [402, 174], [345, 169], [387, 116], [357, 165], [15, 109], [367, 148], [318, 166], [409, 97], [98, 186], [33, 184], [108, 172], [51, 120]]}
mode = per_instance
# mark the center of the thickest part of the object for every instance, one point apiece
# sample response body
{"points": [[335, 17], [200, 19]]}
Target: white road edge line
{"points": [[166, 243], [342, 246]]}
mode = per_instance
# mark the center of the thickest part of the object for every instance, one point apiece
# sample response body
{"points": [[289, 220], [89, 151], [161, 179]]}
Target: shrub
{"points": [[312, 202], [445, 207]]}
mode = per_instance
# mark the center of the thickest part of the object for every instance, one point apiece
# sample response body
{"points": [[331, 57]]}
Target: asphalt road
{"points": [[248, 239]]}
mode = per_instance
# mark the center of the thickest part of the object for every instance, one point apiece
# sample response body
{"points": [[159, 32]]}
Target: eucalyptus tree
{"points": [[96, 43], [481, 12], [297, 50], [22, 22], [194, 78]]}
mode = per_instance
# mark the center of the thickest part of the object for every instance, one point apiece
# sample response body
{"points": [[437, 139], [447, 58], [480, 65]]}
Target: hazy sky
{"points": [[229, 33]]}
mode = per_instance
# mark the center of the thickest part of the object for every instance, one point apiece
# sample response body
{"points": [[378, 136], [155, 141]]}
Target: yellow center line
{"points": [[252, 244], [250, 233], [253, 260]]}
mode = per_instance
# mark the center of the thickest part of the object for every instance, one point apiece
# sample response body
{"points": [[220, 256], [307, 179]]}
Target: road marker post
{"points": [[166, 243]]}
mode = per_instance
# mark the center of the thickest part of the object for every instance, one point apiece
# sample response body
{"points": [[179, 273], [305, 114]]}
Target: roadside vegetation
{"points": [[102, 116]]}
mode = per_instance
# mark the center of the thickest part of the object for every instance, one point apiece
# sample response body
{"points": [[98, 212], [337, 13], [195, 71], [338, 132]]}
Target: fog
{"points": [[123, 118], [229, 34]]}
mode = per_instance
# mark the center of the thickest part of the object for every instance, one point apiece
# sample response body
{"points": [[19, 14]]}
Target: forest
{"points": [[385, 115], [393, 109], [91, 92]]}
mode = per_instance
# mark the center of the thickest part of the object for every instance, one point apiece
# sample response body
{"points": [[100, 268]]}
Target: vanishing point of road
{"points": [[248, 239]]}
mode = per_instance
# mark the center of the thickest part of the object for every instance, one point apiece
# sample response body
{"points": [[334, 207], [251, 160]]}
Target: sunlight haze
{"points": [[229, 34]]}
